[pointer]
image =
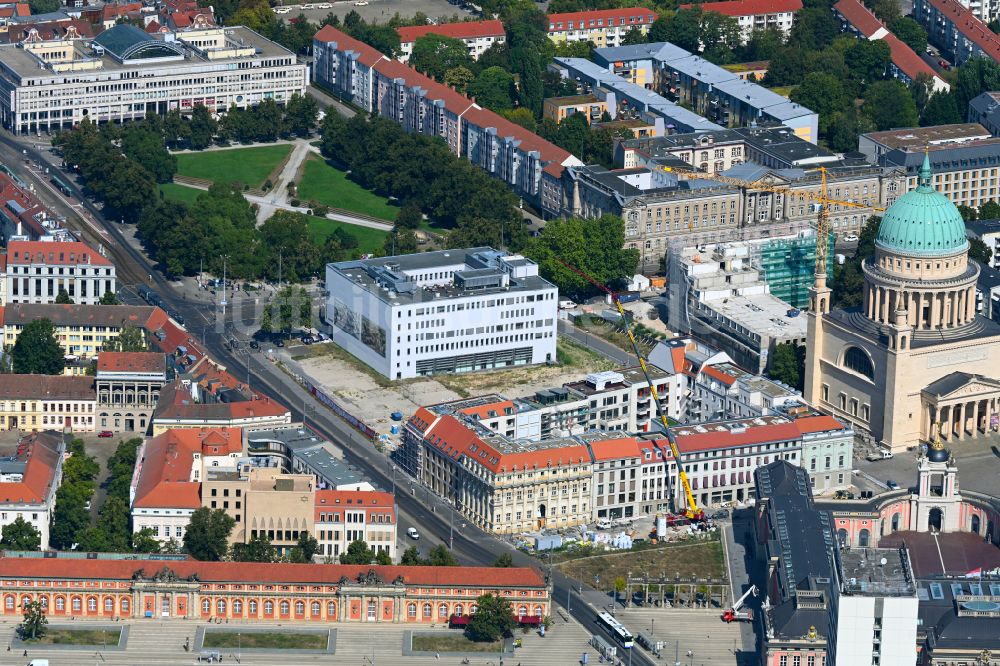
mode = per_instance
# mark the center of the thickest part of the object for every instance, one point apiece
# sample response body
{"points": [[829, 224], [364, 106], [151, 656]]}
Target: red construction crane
{"points": [[736, 614], [691, 511]]}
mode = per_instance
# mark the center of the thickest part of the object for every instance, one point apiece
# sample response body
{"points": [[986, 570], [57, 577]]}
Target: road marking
{"points": [[940, 555], [729, 567]]}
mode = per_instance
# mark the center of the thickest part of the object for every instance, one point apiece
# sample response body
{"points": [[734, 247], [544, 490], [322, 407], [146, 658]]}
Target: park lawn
{"points": [[79, 637], [330, 186], [179, 193], [284, 640], [450, 643], [250, 166], [369, 240], [698, 559]]}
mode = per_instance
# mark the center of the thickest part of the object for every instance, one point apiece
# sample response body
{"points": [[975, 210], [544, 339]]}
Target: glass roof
{"points": [[127, 42]]}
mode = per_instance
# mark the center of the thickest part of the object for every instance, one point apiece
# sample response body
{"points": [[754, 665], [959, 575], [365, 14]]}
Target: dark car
{"points": [[254, 344], [279, 343]]}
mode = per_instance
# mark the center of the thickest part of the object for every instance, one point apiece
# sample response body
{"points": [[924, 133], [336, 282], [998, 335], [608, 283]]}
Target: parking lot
{"points": [[377, 11]]}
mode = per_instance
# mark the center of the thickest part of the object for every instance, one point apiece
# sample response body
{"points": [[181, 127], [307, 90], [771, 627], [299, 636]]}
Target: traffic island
{"points": [[431, 643], [77, 637], [266, 639]]}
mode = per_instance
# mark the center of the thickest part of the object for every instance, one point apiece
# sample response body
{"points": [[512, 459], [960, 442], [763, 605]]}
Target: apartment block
{"points": [[721, 96], [356, 72], [38, 271], [124, 72], [958, 30], [444, 311], [905, 64], [603, 27], [29, 481], [184, 403], [23, 217], [128, 387], [756, 14], [724, 390], [45, 402], [965, 159], [984, 109], [987, 231], [82, 330], [477, 35], [343, 516], [560, 108]]}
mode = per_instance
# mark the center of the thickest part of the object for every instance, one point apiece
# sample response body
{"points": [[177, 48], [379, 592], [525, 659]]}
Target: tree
{"points": [[910, 33], [301, 113], [494, 89], [109, 298], [941, 109], [37, 352], [305, 309], [762, 45], [201, 128], [357, 552], [111, 533], [143, 541], [409, 217], [440, 556], [976, 76], [21, 535], [382, 558], [266, 321], [306, 547], [886, 10], [888, 105], [258, 549], [634, 36], [522, 117], [867, 60], [287, 233], [129, 339], [207, 534], [493, 619], [814, 29], [785, 365], [968, 213], [400, 241], [505, 561], [685, 29], [594, 246], [33, 626], [44, 6], [459, 78], [619, 586], [989, 211], [978, 250], [436, 54], [411, 557]]}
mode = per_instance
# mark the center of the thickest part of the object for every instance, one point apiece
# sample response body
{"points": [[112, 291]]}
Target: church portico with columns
{"points": [[908, 357]]}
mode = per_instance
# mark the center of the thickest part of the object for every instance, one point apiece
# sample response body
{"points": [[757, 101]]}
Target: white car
{"points": [[361, 3], [283, 10], [566, 305], [413, 533], [851, 238]]}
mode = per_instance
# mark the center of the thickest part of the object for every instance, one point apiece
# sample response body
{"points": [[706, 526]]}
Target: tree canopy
{"points": [[493, 619], [37, 352], [20, 535], [207, 534]]}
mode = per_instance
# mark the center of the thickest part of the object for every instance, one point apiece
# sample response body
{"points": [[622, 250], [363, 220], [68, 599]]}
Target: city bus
{"points": [[616, 629]]}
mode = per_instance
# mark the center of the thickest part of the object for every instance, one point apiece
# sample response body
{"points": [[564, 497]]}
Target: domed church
{"points": [[915, 356]]}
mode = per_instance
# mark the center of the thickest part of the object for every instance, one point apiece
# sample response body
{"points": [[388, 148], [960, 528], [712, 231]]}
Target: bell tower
{"points": [[938, 501]]}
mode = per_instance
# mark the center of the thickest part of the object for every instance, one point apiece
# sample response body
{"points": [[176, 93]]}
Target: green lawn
{"points": [[450, 643], [79, 637], [285, 640], [330, 186], [250, 166], [369, 240], [179, 193]]}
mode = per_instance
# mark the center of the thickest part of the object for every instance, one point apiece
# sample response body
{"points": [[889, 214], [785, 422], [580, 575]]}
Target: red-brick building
{"points": [[308, 593]]}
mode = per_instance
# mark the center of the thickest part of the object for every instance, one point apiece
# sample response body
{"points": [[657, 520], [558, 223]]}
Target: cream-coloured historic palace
{"points": [[915, 353]]}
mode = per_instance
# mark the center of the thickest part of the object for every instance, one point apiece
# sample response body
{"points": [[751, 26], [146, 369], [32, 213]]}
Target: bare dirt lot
{"points": [[372, 397]]}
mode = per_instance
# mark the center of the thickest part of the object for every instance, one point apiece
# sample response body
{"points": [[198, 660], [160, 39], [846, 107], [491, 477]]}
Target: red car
{"points": [[105, 433]]}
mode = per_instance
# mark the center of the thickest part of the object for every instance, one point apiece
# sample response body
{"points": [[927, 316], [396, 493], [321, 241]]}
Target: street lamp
{"points": [[239, 647]]}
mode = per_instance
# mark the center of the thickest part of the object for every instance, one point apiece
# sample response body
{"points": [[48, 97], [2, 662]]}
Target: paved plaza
{"points": [[978, 466]]}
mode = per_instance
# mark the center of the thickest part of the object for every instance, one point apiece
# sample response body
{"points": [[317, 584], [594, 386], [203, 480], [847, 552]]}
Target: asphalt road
{"points": [[430, 514]]}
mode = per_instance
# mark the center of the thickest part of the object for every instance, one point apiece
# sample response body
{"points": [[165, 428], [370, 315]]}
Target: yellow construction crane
{"points": [[692, 512], [822, 199]]}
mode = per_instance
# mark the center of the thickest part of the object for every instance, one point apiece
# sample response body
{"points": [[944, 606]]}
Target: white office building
{"points": [[37, 271], [445, 311], [52, 84]]}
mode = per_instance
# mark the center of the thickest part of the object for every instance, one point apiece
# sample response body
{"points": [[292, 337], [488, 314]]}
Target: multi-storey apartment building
{"points": [[958, 30], [343, 516], [560, 108], [123, 73], [82, 330], [725, 390], [756, 14], [714, 92], [445, 311], [128, 388], [184, 403], [38, 271], [24, 217], [601, 27], [476, 35], [985, 110], [965, 159], [46, 402], [360, 74], [904, 64], [29, 481]]}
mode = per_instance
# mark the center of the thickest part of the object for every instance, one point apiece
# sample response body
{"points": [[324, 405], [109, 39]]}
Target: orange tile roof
{"points": [[714, 439], [422, 419], [373, 501], [614, 449], [859, 16], [165, 475], [39, 473], [366, 54], [461, 30], [818, 423], [176, 403], [969, 26], [131, 362], [715, 373], [454, 101], [626, 12], [247, 572], [750, 7], [483, 411]]}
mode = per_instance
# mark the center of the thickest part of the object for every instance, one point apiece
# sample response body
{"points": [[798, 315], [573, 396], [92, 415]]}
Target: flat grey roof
{"points": [[919, 137], [882, 572], [761, 314]]}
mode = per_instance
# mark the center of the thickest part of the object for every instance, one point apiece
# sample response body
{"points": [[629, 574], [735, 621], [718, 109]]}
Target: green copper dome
{"points": [[922, 222]]}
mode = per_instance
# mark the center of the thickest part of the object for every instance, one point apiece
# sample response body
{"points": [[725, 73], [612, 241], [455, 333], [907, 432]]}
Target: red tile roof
{"points": [[808, 424], [454, 101], [131, 362], [859, 16], [613, 449], [462, 30], [641, 14], [906, 59], [165, 474], [715, 373], [373, 501], [483, 411], [39, 474], [246, 572], [751, 434], [366, 54], [971, 27], [750, 7]]}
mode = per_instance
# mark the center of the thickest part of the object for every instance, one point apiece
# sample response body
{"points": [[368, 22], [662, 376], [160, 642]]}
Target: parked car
{"points": [[851, 238], [413, 533], [892, 485], [105, 433], [279, 343], [254, 344], [566, 305]]}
